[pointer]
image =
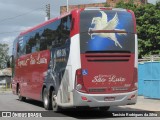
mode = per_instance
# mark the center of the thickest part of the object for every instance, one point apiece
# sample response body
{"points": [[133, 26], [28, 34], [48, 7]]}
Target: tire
{"points": [[46, 100], [55, 107], [21, 98], [104, 108]]}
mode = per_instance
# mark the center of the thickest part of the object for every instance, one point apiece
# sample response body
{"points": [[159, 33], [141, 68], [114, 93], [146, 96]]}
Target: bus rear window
{"points": [[106, 31]]}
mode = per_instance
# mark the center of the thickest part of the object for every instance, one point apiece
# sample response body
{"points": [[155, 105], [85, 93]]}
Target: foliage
{"points": [[130, 5], [148, 26], [106, 5], [3, 55]]}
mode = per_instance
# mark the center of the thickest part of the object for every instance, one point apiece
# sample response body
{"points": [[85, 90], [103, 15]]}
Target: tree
{"points": [[107, 5], [3, 55], [130, 5], [148, 25]]}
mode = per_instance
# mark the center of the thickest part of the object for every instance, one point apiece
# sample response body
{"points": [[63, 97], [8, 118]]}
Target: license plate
{"points": [[109, 98]]}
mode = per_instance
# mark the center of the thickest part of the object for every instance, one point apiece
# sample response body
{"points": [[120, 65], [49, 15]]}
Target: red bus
{"points": [[85, 58]]}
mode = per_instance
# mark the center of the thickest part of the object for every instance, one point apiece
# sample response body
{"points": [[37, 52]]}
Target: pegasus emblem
{"points": [[102, 23]]}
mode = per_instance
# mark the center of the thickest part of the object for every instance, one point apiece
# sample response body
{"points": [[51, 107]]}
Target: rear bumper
{"points": [[97, 100]]}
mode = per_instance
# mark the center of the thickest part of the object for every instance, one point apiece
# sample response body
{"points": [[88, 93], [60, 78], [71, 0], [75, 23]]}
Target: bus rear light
{"points": [[136, 85], [79, 85], [79, 72], [135, 77], [84, 98], [132, 97]]}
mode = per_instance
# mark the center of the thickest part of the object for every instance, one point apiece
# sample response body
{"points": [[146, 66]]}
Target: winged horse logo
{"points": [[102, 23]]}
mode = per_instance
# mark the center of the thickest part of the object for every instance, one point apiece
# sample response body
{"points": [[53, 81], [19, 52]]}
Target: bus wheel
{"points": [[55, 107], [104, 108], [46, 100], [21, 98]]}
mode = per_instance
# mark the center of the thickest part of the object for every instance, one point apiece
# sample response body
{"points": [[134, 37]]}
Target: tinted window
{"points": [[21, 46], [90, 18], [54, 34], [31, 43], [97, 31]]}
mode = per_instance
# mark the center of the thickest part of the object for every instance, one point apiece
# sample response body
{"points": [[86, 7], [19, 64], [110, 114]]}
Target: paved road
{"points": [[10, 102]]}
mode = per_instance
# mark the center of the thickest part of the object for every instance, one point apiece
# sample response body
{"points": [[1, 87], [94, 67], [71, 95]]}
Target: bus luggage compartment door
{"points": [[107, 72]]}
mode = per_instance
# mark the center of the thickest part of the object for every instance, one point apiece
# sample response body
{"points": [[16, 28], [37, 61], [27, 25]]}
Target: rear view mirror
{"points": [[8, 64], [9, 61]]}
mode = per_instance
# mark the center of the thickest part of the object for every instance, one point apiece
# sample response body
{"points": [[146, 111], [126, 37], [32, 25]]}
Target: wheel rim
{"points": [[19, 94], [54, 104], [45, 99]]}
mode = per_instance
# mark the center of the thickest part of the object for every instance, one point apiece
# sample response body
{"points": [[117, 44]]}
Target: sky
{"points": [[19, 15], [152, 1]]}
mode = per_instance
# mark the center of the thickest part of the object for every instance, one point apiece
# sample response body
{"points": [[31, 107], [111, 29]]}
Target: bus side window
{"points": [[65, 29], [21, 47], [32, 42], [40, 40], [37, 42], [18, 50], [51, 34], [28, 49], [43, 45]]}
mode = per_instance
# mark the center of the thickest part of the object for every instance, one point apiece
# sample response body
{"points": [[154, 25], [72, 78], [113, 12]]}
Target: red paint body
{"points": [[30, 73], [31, 77], [107, 69]]}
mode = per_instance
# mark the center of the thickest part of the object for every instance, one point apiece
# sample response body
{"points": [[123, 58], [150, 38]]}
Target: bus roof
{"points": [[65, 14], [43, 24]]}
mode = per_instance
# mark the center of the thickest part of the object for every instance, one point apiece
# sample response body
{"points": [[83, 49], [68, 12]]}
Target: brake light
{"points": [[135, 79], [132, 97], [84, 98], [79, 85]]}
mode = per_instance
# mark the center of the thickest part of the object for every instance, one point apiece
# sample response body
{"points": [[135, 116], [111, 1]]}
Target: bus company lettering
{"points": [[22, 62], [114, 78], [41, 60], [32, 60], [110, 78], [100, 78]]}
